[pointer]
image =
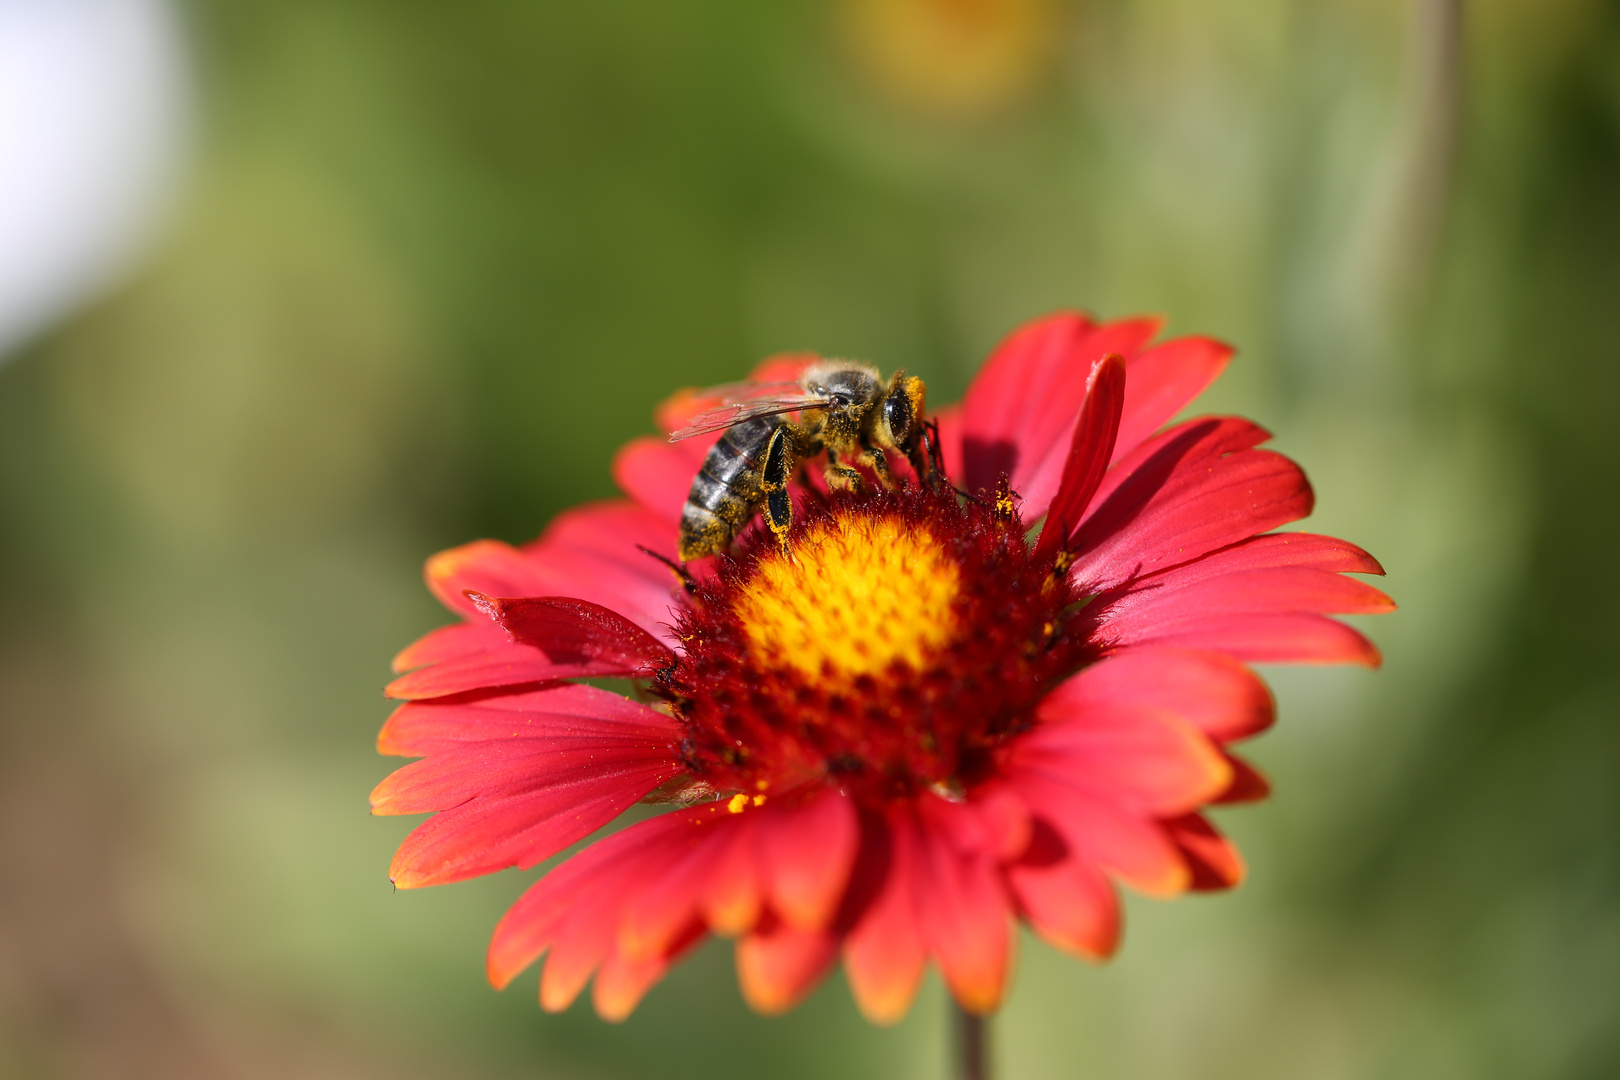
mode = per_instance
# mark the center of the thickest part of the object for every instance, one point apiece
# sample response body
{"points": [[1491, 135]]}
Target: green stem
{"points": [[971, 1045]]}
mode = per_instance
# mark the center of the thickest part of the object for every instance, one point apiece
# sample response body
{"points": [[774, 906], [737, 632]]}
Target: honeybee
{"points": [[841, 407]]}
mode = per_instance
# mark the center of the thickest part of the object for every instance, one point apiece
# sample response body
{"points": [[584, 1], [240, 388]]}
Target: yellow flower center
{"points": [[854, 596]]}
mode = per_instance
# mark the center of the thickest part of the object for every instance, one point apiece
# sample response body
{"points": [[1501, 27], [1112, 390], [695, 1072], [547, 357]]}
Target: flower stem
{"points": [[971, 1045]]}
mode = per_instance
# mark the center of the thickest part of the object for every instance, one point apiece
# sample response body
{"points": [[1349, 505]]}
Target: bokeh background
{"points": [[348, 281]]}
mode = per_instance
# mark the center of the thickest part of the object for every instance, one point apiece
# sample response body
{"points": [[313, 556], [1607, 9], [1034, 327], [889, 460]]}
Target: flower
{"points": [[915, 728], [953, 58]]}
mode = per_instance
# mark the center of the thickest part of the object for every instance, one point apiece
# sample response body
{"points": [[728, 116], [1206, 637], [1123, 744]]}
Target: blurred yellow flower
{"points": [[952, 56]]}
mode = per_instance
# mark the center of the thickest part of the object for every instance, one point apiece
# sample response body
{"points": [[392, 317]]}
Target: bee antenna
{"points": [[933, 455], [687, 580]]}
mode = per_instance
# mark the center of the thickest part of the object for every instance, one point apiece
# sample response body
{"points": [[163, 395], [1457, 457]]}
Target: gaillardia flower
{"points": [[918, 723]]}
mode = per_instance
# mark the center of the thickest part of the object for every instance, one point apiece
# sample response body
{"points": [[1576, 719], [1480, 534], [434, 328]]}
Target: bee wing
{"points": [[738, 411], [747, 390]]}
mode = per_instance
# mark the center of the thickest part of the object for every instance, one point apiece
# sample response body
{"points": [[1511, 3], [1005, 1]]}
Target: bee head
{"points": [[900, 419], [844, 385], [850, 391]]}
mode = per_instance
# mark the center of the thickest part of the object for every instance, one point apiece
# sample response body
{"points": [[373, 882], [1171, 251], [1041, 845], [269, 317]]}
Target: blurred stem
{"points": [[1438, 107], [970, 1045]]}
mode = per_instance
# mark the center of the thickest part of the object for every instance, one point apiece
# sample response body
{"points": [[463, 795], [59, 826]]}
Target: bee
{"points": [[843, 408]]}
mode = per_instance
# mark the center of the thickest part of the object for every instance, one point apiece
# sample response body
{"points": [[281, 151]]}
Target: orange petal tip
{"points": [[765, 999], [978, 999], [402, 877], [561, 983], [615, 999], [733, 916], [615, 1008], [886, 1007], [498, 975], [555, 1001], [1165, 886]]}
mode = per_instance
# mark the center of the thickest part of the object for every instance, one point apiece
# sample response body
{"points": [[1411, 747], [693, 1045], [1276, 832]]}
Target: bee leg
{"points": [[875, 459], [927, 457], [780, 461], [779, 516], [841, 477]]}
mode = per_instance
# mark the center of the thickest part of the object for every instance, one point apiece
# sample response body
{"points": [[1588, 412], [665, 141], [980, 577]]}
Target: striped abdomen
{"points": [[727, 492]]}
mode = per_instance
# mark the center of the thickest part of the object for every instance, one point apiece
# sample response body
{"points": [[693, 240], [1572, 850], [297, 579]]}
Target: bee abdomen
{"points": [[726, 492]]}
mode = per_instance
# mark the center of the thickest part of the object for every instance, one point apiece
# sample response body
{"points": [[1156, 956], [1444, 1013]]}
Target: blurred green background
{"points": [[436, 261]]}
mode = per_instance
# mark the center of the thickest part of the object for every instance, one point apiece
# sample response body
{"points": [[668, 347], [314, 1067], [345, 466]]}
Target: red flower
{"points": [[915, 731]]}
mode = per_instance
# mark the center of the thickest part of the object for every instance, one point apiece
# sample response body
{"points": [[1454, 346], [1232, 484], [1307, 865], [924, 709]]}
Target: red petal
{"points": [[784, 367], [485, 566], [1145, 760], [575, 907], [949, 420], [507, 665], [1210, 690], [623, 981], [1033, 362], [1162, 381], [1003, 410], [578, 632], [806, 852], [1192, 490], [1041, 462], [1249, 784], [1245, 599], [1279, 549], [658, 474], [450, 642], [583, 940], [1089, 451], [1021, 409], [1124, 336], [453, 777], [732, 899], [586, 884], [420, 728], [1161, 608], [1274, 639], [1203, 438], [1132, 848], [610, 527], [521, 829], [777, 969], [962, 911], [1214, 860], [884, 953], [595, 552], [1068, 902], [1003, 819], [654, 919]]}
